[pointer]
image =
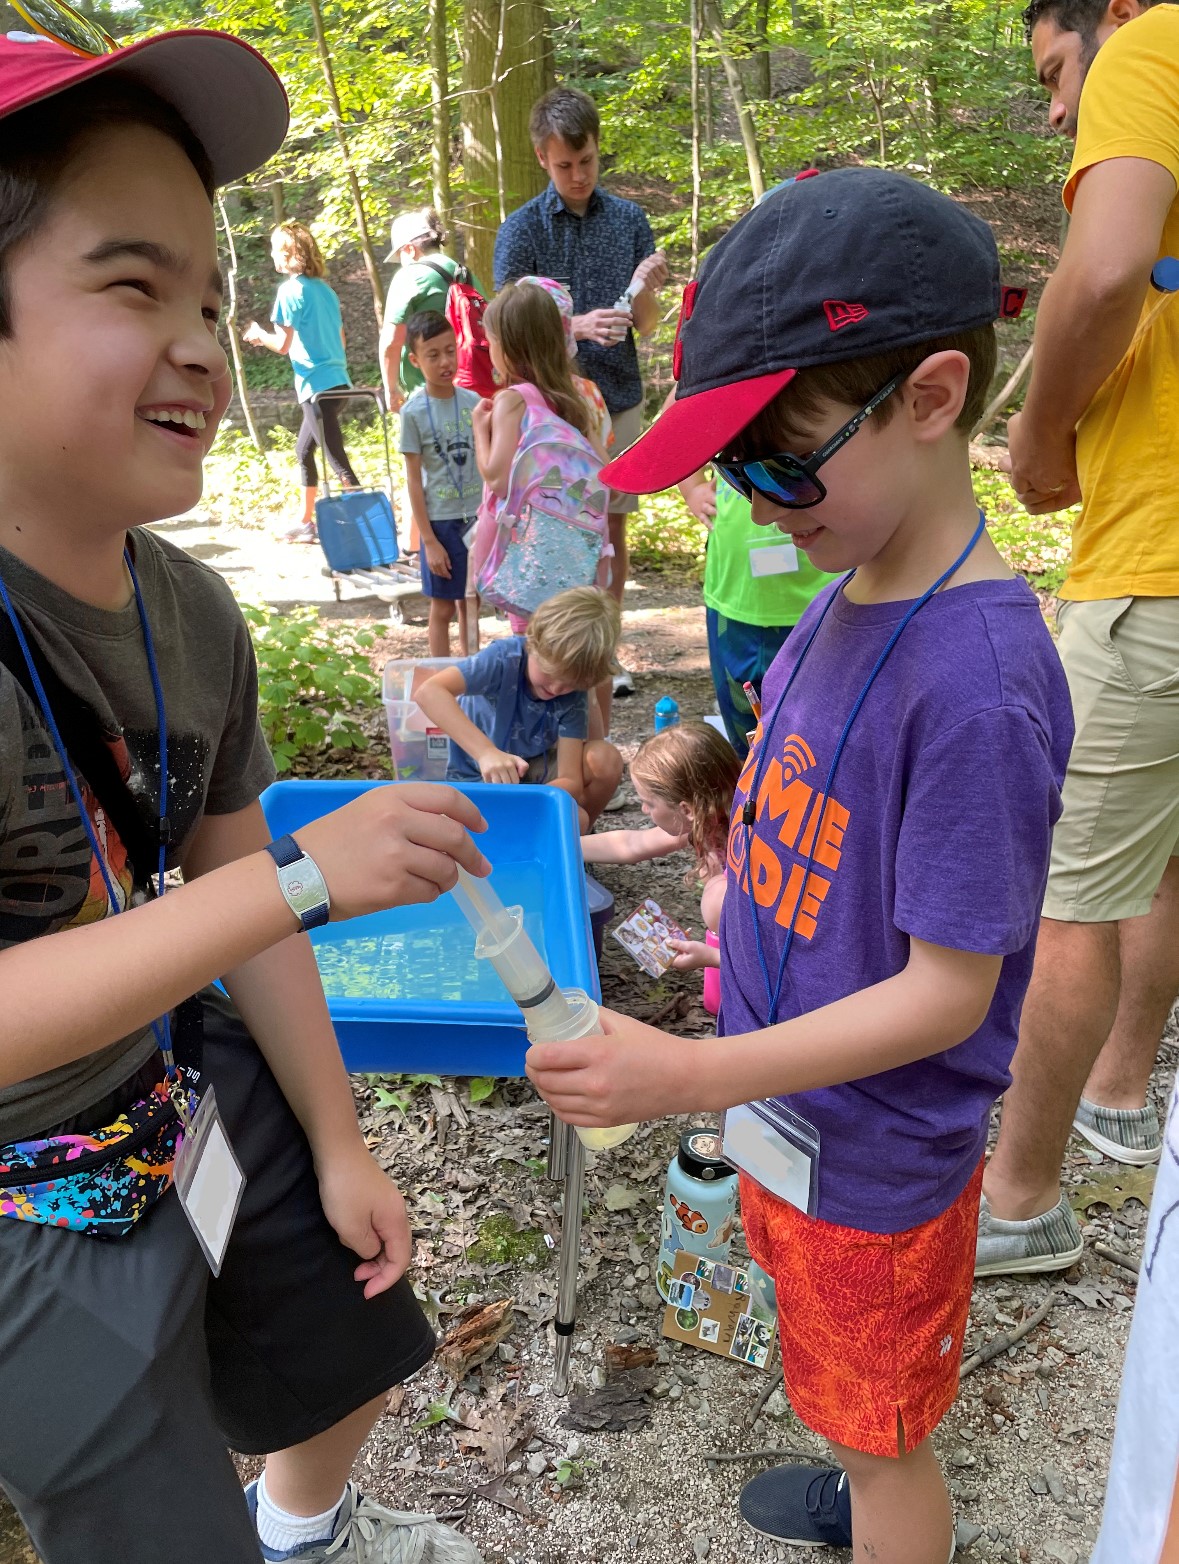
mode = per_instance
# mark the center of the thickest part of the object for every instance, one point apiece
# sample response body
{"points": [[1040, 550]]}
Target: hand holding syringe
{"points": [[551, 1014]]}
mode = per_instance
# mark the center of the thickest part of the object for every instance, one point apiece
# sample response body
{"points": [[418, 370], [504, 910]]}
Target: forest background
{"points": [[704, 103]]}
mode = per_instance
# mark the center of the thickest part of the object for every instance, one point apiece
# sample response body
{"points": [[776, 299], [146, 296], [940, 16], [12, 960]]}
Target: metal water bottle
{"points": [[667, 713], [699, 1205]]}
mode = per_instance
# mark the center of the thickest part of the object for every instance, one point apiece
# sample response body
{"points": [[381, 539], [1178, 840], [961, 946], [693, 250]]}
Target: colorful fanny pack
{"points": [[99, 1183]]}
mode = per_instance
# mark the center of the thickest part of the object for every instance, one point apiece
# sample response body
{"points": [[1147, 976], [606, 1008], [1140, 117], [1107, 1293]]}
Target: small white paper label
{"points": [[209, 1181], [773, 559]]}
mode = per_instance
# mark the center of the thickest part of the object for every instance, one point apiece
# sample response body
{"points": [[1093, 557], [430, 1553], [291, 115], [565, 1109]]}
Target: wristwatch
{"points": [[300, 882]]}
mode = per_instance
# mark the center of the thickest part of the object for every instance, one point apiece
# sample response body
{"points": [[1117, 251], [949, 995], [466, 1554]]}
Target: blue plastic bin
{"points": [[405, 992]]}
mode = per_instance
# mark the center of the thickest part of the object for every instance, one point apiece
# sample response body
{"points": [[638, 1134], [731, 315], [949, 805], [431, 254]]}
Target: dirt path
{"points": [[1026, 1447]]}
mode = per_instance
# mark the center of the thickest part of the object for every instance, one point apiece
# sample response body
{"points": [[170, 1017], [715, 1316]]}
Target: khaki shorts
{"points": [[627, 426], [1120, 824]]}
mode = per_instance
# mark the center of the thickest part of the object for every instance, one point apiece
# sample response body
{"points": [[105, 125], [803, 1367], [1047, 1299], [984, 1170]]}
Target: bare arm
{"points": [[67, 995], [280, 997], [495, 446], [634, 1071], [630, 846], [1087, 319], [390, 348], [438, 698], [278, 341]]}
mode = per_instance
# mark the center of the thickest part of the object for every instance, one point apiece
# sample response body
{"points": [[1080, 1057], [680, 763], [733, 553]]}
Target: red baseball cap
{"points": [[227, 94]]}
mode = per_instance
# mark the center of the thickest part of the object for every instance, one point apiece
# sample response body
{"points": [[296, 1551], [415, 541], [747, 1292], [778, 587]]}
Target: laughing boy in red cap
{"points": [[129, 745], [889, 840]]}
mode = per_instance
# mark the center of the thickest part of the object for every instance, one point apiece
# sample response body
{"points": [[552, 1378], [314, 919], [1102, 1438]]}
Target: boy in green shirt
{"points": [[756, 588]]}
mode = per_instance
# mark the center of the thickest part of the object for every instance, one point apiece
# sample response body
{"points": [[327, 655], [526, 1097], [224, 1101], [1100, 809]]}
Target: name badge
{"points": [[209, 1181], [773, 559], [777, 1148]]}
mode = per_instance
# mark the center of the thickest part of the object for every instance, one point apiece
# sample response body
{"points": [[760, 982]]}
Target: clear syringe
{"points": [[551, 1014]]}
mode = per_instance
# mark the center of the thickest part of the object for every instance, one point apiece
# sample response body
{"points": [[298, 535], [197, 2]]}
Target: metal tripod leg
{"points": [[572, 1160]]}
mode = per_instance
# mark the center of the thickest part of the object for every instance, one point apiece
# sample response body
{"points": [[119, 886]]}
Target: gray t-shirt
{"points": [[218, 763], [440, 433]]}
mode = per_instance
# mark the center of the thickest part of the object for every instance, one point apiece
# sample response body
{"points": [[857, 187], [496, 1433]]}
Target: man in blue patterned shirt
{"points": [[598, 245]]}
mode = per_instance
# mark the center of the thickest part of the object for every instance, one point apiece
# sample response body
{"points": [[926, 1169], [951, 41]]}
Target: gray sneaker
{"points": [[368, 1533], [1129, 1135], [1051, 1242]]}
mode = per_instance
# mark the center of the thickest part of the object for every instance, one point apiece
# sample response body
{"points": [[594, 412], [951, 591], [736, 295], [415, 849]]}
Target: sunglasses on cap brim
{"points": [[790, 481], [60, 22]]}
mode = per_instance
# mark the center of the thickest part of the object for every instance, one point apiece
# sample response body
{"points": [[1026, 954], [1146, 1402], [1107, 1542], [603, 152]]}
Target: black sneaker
{"points": [[800, 1505]]}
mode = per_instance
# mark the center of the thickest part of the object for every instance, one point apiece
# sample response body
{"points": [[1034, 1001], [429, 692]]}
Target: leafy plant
{"points": [[397, 1091], [482, 1087], [312, 679], [570, 1471], [1037, 546], [437, 1412]]}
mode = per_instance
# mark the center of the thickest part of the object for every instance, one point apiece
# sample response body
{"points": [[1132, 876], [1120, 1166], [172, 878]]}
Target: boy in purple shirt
{"points": [[889, 841]]}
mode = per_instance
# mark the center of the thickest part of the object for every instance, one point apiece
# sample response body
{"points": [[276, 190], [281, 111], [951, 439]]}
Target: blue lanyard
{"points": [[456, 479], [181, 1098], [749, 812]]}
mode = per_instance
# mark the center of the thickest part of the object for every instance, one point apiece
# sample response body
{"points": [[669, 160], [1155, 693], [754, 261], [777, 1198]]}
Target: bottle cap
{"points": [[700, 1156]]}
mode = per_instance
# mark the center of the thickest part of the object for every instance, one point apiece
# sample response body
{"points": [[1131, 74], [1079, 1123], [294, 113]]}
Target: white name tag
{"points": [[777, 1148], [774, 559], [209, 1181]]}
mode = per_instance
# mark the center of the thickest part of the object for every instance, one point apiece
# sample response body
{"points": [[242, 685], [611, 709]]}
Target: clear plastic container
{"points": [[421, 752]]}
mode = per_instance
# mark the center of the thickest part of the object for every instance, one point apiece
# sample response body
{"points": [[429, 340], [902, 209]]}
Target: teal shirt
{"points": [[730, 586], [317, 349]]}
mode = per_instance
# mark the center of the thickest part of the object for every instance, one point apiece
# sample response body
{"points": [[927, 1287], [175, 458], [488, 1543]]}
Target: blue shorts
{"points": [[737, 653], [454, 586]]}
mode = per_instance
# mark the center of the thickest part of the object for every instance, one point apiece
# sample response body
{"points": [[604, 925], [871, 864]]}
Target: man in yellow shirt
{"points": [[1101, 425]]}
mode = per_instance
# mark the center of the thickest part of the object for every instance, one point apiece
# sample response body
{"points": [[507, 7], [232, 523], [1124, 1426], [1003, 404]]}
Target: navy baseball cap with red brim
{"points": [[227, 94], [828, 267]]}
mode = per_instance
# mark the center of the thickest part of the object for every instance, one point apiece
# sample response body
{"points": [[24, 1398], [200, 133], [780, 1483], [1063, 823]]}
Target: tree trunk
{"points": [[366, 244], [507, 65], [760, 82], [715, 25], [231, 326], [696, 171], [278, 203], [709, 126], [440, 111]]}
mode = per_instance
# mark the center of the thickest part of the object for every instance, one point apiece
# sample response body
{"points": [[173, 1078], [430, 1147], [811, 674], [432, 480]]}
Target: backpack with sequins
{"points": [[550, 531]]}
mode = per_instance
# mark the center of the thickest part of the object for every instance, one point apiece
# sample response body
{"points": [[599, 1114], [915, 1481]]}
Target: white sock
{"points": [[281, 1531]]}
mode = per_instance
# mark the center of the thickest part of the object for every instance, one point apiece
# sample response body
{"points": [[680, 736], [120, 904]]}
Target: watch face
{"points": [[303, 887]]}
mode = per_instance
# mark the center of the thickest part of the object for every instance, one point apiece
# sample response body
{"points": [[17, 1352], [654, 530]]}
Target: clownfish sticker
{"points": [[691, 1221]]}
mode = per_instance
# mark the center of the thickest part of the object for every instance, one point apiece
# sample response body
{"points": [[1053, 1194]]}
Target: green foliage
{"points": [[664, 535], [312, 679], [437, 1412], [482, 1087], [1037, 546], [398, 1091]]}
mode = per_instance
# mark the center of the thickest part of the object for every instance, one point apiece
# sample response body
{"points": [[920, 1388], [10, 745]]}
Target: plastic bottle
{"points": [[551, 1014], [699, 1205], [667, 713]]}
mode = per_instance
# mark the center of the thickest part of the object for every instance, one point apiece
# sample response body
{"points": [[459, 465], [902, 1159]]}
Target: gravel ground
{"points": [[1026, 1447]]}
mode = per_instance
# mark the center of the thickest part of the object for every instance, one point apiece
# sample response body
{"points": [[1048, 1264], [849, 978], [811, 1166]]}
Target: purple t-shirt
{"points": [[938, 827]]}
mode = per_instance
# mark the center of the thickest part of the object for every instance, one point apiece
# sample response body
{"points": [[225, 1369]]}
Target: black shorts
{"points": [[126, 1368]]}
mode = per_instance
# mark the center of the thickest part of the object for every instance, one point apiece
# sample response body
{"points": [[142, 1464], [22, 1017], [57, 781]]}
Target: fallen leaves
{"points": [[1112, 1187]]}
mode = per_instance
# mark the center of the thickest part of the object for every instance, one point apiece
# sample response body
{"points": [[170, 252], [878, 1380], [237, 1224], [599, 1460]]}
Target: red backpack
{"points": [[464, 311]]}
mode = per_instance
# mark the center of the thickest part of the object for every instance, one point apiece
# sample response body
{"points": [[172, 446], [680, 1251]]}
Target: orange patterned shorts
{"points": [[871, 1324]]}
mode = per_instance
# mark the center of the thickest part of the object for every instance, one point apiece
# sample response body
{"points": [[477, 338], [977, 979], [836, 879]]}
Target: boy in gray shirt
{"points": [[443, 481]]}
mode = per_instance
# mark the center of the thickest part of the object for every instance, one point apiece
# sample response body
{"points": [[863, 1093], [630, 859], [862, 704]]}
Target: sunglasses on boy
{"points": [[790, 481], [75, 32]]}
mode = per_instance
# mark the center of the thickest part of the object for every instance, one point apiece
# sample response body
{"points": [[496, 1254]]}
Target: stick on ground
{"points": [[1000, 1343]]}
